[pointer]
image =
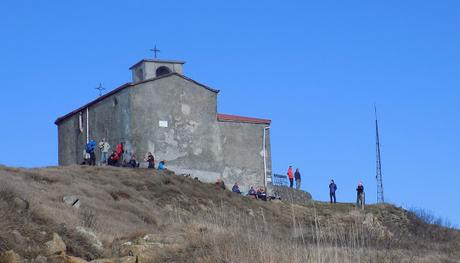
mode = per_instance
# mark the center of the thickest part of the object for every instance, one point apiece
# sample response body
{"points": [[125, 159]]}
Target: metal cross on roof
{"points": [[155, 51], [100, 88]]}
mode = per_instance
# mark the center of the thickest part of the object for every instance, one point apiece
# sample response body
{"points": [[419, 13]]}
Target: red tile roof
{"points": [[235, 118]]}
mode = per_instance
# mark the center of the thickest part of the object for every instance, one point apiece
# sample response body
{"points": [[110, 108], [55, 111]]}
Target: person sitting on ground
{"points": [[220, 184], [132, 161], [261, 194], [162, 165], [85, 157], [275, 196], [151, 160], [113, 159], [236, 189], [252, 192]]}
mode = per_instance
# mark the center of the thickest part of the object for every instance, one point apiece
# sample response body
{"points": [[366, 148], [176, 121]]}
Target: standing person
{"points": [[104, 146], [151, 160], [290, 176], [297, 179], [332, 189], [90, 147], [120, 151], [360, 195]]}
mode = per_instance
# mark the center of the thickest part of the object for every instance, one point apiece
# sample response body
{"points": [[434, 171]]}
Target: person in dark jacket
{"points": [[113, 159], [252, 192], [220, 184], [360, 195], [297, 179], [332, 189], [132, 161], [151, 160], [236, 189], [261, 194]]}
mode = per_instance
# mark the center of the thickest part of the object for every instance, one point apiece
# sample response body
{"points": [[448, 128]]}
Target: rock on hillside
{"points": [[106, 214]]}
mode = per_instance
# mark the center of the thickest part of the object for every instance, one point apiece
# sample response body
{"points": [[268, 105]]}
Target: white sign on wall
{"points": [[163, 124]]}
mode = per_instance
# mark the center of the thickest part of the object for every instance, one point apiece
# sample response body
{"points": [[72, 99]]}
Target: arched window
{"points": [[163, 71]]}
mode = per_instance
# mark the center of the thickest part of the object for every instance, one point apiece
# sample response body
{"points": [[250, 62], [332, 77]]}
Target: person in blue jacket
{"points": [[162, 165], [90, 147], [236, 188], [332, 189]]}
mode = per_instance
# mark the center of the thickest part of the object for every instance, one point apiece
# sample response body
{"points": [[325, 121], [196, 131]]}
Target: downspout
{"points": [[87, 125], [265, 156]]}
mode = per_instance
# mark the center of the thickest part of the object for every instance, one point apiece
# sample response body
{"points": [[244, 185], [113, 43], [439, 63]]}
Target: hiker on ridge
{"points": [[297, 179], [291, 176], [332, 189], [360, 195]]}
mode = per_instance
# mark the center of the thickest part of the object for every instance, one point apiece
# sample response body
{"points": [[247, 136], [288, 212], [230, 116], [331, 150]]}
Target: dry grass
{"points": [[217, 226]]}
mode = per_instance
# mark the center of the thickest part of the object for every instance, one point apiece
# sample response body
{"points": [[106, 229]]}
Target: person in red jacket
{"points": [[291, 177], [120, 152]]}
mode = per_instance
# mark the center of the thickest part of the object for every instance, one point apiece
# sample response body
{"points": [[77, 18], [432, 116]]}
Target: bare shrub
{"points": [[117, 195], [88, 218]]}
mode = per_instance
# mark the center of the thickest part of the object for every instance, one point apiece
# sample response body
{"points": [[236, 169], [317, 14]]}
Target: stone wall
{"points": [[176, 119]]}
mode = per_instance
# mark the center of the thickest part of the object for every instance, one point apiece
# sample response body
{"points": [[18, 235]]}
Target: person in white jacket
{"points": [[104, 146]]}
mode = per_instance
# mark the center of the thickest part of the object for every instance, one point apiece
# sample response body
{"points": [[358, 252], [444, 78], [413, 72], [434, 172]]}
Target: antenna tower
{"points": [[378, 174]]}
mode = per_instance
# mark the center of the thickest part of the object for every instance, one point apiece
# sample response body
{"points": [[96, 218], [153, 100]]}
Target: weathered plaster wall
{"points": [[242, 148], [108, 119], [191, 142]]}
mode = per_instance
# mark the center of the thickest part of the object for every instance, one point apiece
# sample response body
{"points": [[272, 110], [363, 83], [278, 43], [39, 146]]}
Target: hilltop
{"points": [[77, 213]]}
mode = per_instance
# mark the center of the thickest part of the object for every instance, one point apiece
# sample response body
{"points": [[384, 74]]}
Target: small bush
{"points": [[88, 218]]}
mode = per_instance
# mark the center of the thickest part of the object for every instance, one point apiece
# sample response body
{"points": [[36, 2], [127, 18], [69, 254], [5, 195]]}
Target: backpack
{"points": [[89, 147]]}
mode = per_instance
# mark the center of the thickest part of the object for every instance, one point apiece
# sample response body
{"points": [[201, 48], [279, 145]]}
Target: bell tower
{"points": [[153, 68]]}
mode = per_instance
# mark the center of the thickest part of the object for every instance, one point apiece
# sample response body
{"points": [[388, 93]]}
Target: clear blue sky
{"points": [[315, 69]]}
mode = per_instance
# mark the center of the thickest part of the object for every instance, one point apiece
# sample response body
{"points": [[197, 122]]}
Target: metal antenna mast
{"points": [[378, 175]]}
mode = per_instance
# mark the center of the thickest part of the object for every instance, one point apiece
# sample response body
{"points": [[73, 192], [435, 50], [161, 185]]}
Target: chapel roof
{"points": [[158, 61], [127, 85], [236, 118]]}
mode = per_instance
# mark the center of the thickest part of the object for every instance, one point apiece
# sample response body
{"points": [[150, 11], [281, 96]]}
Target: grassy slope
{"points": [[213, 225]]}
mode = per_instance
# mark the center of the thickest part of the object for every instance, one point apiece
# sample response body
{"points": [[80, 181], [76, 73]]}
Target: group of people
{"points": [[360, 198], [292, 176], [259, 193], [119, 156]]}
